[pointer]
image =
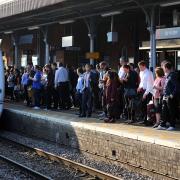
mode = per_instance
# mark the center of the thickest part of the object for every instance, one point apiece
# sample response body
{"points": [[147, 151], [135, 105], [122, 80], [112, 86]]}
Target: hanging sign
{"points": [[93, 55], [168, 33]]}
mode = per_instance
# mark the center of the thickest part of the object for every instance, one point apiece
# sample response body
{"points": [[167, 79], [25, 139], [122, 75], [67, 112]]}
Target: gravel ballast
{"points": [[31, 160], [75, 155], [8, 171]]}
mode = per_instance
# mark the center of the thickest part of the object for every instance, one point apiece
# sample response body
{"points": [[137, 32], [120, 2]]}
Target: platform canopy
{"points": [[19, 14]]}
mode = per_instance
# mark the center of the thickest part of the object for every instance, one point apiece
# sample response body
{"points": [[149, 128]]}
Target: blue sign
{"points": [[168, 33]]}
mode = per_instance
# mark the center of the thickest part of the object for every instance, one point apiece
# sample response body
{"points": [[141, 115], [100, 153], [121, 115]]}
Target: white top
{"points": [[146, 81], [101, 77], [87, 79], [80, 84], [61, 75], [121, 73]]}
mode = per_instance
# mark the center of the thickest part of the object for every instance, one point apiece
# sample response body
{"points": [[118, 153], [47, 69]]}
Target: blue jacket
{"points": [[37, 83]]}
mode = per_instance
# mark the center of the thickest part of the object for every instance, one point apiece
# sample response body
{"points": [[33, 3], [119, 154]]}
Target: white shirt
{"points": [[146, 81], [87, 79], [101, 77], [121, 73], [61, 75], [80, 84]]}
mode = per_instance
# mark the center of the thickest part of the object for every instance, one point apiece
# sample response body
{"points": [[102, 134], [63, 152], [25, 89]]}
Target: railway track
{"points": [[26, 169], [86, 172]]}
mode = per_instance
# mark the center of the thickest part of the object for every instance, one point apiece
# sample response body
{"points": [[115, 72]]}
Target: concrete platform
{"points": [[152, 150]]}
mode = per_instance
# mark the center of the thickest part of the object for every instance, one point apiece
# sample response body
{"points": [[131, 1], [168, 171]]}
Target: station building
{"points": [[82, 31]]}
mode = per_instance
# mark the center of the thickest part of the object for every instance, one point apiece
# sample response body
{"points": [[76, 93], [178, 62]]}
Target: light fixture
{"points": [[0, 41], [33, 28], [67, 22], [8, 32], [170, 4], [111, 13]]}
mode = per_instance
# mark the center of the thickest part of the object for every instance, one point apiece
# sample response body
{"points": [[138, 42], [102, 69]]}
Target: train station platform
{"points": [[157, 152]]}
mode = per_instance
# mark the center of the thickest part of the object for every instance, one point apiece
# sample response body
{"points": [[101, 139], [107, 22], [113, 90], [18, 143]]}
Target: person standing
{"points": [[36, 86], [54, 91], [24, 83], [79, 89], [130, 83], [169, 104], [87, 92], [121, 72], [49, 86], [11, 83], [62, 84], [112, 100], [157, 95], [145, 89], [102, 81]]}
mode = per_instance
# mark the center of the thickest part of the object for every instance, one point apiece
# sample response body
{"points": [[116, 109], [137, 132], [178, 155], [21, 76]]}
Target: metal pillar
{"points": [[92, 43], [92, 34], [46, 52], [45, 33], [153, 40], [16, 49]]}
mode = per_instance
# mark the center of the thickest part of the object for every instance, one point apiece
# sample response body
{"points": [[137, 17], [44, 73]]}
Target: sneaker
{"points": [[102, 118], [36, 107], [170, 128], [155, 125], [102, 114], [161, 128]]}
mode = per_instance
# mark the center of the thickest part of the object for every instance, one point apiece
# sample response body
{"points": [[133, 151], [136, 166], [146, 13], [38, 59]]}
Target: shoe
{"points": [[130, 122], [102, 114], [156, 125], [170, 128], [161, 128], [106, 120], [89, 115], [36, 107], [82, 116], [112, 121]]}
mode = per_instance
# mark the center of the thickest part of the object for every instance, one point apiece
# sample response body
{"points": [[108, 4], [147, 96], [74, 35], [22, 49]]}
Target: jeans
{"points": [[37, 97], [169, 110], [86, 102]]}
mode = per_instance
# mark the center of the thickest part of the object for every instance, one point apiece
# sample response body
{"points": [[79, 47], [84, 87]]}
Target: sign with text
{"points": [[67, 41], [168, 33], [93, 55]]}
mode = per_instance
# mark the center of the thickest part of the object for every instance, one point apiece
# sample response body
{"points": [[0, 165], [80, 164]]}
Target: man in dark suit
{"points": [[87, 92]]}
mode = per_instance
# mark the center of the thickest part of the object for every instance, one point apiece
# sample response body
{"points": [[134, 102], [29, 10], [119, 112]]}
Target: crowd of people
{"points": [[132, 94]]}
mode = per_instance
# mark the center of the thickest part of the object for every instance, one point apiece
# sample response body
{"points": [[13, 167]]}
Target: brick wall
{"points": [[142, 155]]}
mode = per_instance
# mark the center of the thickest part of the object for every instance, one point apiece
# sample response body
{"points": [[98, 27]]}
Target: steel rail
{"points": [[72, 164], [25, 168], [60, 159]]}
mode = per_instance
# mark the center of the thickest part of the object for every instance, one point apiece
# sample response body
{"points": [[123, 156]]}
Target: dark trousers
{"points": [[26, 95], [37, 97], [11, 92], [144, 103], [55, 98], [79, 101], [87, 102], [48, 96], [73, 95], [169, 110], [64, 95]]}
